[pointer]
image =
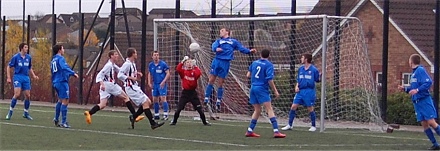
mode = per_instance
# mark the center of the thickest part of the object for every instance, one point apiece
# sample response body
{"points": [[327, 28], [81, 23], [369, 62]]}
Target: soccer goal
{"points": [[347, 95]]}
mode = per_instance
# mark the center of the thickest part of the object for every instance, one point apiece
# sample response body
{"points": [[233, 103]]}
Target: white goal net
{"points": [[350, 99]]}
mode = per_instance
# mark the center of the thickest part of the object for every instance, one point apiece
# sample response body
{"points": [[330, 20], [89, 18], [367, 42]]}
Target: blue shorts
{"points": [[220, 68], [305, 97], [23, 82], [424, 109], [62, 90], [259, 95], [157, 91]]}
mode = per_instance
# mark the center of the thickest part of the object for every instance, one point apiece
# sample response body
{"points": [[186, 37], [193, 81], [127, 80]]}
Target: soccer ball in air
{"points": [[194, 47]]}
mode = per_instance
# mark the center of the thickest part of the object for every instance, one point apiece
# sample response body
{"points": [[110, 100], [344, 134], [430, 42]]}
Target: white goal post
{"points": [[347, 93]]}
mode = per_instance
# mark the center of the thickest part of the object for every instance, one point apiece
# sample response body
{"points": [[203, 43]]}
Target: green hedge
{"points": [[400, 109]]}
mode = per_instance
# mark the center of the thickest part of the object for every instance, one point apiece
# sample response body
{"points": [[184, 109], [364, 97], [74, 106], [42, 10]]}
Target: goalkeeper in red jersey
{"points": [[189, 73]]}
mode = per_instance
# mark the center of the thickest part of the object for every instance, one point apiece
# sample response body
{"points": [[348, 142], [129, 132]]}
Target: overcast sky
{"points": [[14, 8]]}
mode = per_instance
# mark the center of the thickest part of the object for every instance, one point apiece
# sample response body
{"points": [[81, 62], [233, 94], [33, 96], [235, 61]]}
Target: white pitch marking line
{"points": [[336, 145], [206, 142], [126, 134], [232, 125]]}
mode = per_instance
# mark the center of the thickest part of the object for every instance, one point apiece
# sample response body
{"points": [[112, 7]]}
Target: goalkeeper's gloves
{"points": [[184, 59], [193, 62]]}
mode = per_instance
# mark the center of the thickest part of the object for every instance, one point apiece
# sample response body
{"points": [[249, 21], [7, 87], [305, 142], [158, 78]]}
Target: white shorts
{"points": [[136, 95], [110, 89]]}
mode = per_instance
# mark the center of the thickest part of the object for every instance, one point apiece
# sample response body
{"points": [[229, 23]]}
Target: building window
{"points": [[406, 79], [379, 78]]}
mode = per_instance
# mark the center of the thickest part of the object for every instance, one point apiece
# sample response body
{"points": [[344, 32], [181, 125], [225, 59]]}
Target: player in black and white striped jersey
{"points": [[108, 86], [129, 74]]}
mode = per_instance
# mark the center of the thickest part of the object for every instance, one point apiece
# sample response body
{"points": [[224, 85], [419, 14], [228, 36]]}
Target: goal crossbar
{"points": [[268, 18]]}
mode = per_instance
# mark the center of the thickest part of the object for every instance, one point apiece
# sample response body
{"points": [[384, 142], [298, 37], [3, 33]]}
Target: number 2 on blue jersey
{"points": [[258, 72]]}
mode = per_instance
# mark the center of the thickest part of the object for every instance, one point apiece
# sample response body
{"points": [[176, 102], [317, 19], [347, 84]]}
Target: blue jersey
{"points": [[228, 46], [21, 65], [307, 78], [60, 70], [158, 73], [261, 72], [419, 80]]}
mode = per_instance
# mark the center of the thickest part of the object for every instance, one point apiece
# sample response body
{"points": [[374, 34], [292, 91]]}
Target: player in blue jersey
{"points": [[422, 100], [158, 75], [305, 95], [224, 52], [261, 73], [61, 73], [22, 64]]}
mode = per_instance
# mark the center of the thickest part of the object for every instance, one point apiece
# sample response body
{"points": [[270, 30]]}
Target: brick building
{"points": [[411, 31]]}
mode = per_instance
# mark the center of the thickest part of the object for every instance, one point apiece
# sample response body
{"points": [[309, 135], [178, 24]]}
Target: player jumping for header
{"points": [[224, 53]]}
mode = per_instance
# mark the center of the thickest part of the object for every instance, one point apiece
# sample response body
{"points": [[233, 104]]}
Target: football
{"points": [[194, 47]]}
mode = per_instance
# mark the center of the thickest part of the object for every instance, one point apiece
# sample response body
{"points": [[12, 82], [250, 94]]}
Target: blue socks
{"points": [[165, 108], [208, 90], [57, 111], [252, 125], [220, 93], [63, 114], [27, 104], [431, 137], [156, 108], [274, 122], [11, 108], [13, 103], [437, 130], [313, 118], [219, 97], [292, 115]]}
